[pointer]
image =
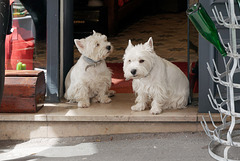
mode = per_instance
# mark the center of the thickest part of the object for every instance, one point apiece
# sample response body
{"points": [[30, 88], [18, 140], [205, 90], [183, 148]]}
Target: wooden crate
{"points": [[24, 91]]}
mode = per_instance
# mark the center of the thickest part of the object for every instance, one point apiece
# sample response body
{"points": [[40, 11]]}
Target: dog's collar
{"points": [[149, 72], [91, 62]]}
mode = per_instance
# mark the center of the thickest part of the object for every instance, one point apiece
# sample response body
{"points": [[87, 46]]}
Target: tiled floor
{"points": [[169, 33], [168, 30]]}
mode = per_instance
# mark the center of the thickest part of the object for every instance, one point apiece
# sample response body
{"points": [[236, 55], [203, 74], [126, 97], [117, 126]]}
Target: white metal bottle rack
{"points": [[226, 133]]}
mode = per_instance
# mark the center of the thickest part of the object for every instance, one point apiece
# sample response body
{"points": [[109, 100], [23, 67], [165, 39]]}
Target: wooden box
{"points": [[24, 91]]}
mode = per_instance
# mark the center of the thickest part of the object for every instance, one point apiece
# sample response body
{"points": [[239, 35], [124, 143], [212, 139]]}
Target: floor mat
{"points": [[120, 85]]}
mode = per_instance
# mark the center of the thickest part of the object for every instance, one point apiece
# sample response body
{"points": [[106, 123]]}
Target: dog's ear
{"points": [[94, 32], [80, 44], [130, 45], [149, 43]]}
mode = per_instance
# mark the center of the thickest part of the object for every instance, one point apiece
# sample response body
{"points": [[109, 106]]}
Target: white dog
{"points": [[90, 77], [155, 80]]}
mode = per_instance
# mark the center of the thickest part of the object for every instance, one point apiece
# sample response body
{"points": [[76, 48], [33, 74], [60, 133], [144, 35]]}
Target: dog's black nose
{"points": [[133, 71], [108, 47]]}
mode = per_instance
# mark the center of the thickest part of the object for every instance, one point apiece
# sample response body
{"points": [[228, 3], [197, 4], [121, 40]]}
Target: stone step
{"points": [[66, 120]]}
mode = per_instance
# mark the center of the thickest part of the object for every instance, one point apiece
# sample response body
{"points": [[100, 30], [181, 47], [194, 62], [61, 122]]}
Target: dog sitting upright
{"points": [[90, 78], [155, 80]]}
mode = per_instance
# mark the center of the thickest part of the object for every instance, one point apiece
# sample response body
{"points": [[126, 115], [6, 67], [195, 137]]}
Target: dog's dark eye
{"points": [[141, 61], [129, 61], [97, 44]]}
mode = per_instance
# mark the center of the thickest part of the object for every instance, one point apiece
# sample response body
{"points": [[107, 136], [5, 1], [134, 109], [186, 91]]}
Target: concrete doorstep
{"points": [[61, 120]]}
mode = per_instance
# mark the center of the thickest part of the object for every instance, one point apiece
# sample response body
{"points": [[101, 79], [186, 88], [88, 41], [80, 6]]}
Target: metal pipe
{"points": [[233, 44]]}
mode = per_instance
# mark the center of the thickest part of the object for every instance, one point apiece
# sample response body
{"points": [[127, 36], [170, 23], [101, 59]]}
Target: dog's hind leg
{"points": [[82, 96], [182, 102], [178, 102], [69, 94], [102, 95]]}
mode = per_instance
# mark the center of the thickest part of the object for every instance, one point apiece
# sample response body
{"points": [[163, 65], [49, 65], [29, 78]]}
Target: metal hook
{"points": [[210, 115]]}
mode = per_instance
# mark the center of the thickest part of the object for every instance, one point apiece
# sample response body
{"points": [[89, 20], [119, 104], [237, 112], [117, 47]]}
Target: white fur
{"points": [[82, 82], [156, 80]]}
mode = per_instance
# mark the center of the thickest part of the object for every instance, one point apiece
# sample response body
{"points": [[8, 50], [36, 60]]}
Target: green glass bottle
{"points": [[205, 26], [238, 1]]}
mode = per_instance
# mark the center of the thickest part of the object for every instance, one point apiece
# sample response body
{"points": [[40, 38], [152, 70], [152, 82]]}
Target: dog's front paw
{"points": [[71, 101], [83, 104], [155, 111], [111, 93], [138, 107], [95, 100], [105, 100]]}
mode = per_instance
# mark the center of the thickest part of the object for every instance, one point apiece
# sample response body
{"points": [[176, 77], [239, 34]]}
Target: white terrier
{"points": [[155, 80], [90, 77]]}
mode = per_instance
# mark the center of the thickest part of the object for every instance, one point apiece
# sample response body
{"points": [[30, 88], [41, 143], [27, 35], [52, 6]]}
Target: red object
{"points": [[120, 85], [120, 3], [19, 49], [11, 1]]}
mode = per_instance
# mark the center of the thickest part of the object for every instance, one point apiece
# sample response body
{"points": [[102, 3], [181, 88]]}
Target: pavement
{"points": [[127, 147]]}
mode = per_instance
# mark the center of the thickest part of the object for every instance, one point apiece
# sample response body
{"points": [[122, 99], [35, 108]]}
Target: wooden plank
{"points": [[18, 104], [20, 86], [22, 73]]}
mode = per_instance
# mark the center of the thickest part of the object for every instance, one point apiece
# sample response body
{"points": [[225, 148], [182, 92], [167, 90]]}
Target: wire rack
{"points": [[225, 133]]}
